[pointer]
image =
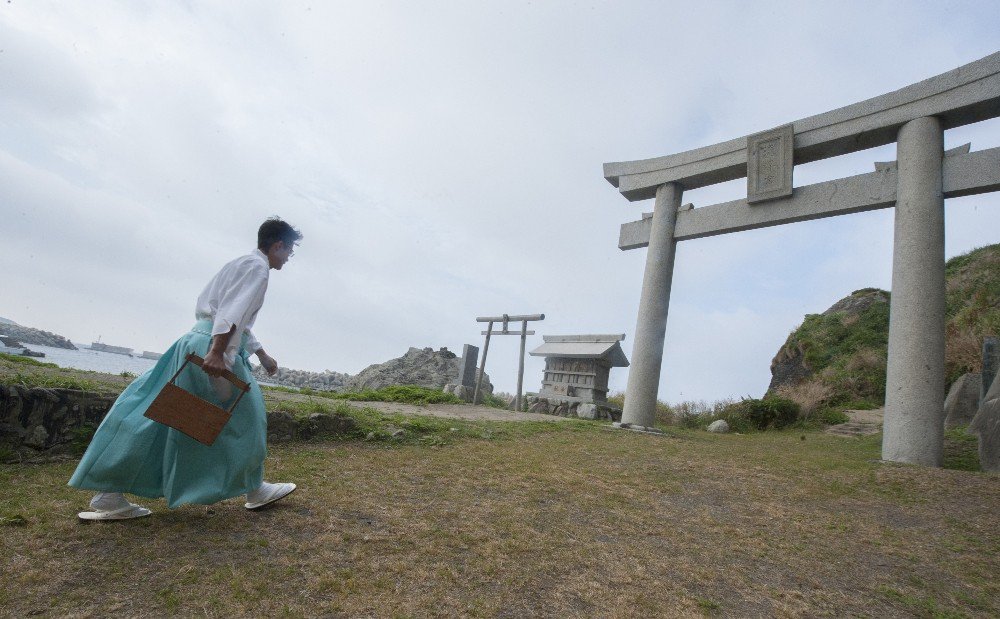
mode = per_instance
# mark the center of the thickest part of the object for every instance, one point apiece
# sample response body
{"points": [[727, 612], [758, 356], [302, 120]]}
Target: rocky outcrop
{"points": [[27, 335], [789, 366], [424, 367], [827, 339], [301, 379], [843, 350]]}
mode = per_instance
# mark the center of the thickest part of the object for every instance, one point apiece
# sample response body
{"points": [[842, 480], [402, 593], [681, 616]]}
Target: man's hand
{"points": [[214, 364], [267, 362]]}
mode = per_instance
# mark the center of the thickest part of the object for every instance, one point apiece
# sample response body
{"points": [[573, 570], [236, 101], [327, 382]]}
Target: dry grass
{"points": [[963, 351], [810, 394], [574, 521]]}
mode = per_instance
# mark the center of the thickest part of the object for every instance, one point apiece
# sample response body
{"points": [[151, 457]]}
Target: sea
{"points": [[86, 359], [97, 361]]}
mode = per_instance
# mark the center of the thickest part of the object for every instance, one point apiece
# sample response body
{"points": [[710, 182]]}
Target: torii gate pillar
{"points": [[651, 325], [913, 426]]}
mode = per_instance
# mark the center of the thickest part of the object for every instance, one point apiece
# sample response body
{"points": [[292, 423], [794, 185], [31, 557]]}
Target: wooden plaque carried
{"points": [[187, 413]]}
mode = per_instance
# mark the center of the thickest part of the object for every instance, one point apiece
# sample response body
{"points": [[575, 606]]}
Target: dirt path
{"points": [[458, 411], [450, 411], [861, 423]]}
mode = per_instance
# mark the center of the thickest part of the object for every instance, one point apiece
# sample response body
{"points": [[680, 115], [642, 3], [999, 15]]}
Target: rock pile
{"points": [[424, 367], [320, 381], [580, 410]]}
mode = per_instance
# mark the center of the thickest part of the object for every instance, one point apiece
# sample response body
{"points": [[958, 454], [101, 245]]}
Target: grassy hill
{"points": [[838, 358]]}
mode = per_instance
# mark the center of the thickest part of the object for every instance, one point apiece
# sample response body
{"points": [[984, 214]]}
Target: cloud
{"points": [[444, 162]]}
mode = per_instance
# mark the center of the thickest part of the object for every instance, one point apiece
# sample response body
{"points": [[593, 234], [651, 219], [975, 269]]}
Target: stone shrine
{"points": [[577, 367]]}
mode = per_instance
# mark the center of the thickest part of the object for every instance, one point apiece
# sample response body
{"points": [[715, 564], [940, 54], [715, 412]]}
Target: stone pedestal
{"points": [[651, 326], [913, 429]]}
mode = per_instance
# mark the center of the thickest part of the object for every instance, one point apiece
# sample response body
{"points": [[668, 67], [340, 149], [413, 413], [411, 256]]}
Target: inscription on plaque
{"points": [[769, 164]]}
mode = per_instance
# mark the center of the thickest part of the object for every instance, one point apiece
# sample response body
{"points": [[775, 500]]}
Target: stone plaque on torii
{"points": [[505, 319], [914, 117]]}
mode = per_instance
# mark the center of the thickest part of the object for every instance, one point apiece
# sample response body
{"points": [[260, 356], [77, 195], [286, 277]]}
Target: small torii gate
{"points": [[505, 319], [914, 117]]}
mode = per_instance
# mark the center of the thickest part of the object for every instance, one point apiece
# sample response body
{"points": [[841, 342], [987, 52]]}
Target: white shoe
{"points": [[267, 494], [112, 506]]}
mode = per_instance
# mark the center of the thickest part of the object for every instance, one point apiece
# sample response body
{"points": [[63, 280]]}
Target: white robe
{"points": [[233, 297]]}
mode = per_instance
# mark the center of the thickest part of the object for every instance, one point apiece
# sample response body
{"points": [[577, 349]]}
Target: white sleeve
{"points": [[252, 344], [240, 301]]}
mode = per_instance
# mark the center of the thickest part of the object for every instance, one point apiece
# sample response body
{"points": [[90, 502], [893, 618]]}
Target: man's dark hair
{"points": [[275, 229]]}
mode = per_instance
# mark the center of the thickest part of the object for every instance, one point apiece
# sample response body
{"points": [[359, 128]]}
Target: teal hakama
{"points": [[134, 454]]}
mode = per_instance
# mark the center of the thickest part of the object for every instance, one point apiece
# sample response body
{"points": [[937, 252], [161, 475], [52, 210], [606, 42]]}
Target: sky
{"points": [[443, 161]]}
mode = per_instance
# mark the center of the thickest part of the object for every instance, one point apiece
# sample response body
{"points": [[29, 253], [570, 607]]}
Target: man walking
{"points": [[134, 454]]}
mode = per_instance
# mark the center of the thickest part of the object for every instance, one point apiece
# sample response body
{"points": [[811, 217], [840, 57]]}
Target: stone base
{"points": [[617, 425], [579, 410]]}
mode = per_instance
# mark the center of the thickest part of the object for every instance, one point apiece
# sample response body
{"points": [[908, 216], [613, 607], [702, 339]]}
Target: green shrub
{"points": [[831, 416], [775, 412], [692, 420], [488, 399], [407, 394], [750, 414]]}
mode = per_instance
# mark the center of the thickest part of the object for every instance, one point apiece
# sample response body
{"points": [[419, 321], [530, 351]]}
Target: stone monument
{"points": [[467, 366], [915, 117], [991, 361], [464, 384]]}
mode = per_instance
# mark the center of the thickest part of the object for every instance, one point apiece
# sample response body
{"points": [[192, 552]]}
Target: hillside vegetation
{"points": [[838, 358]]}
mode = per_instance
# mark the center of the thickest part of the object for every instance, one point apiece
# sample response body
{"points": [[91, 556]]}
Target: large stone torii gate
{"points": [[915, 117]]}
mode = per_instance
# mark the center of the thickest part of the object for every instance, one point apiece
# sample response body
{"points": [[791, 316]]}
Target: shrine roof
{"points": [[604, 347]]}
